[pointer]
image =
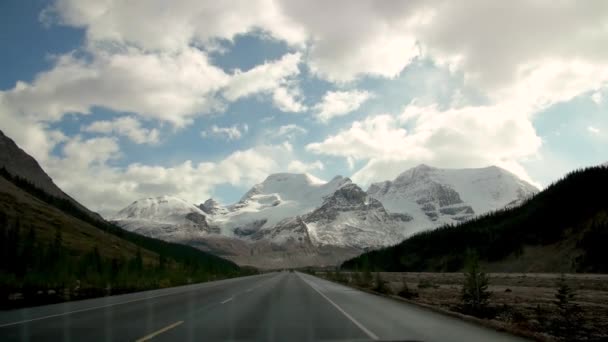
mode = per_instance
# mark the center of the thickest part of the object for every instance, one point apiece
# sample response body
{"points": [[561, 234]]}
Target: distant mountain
{"points": [[561, 229], [434, 197], [279, 196], [346, 218], [298, 214], [164, 217]]}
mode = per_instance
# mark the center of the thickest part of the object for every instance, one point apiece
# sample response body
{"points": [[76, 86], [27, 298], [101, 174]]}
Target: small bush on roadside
{"points": [[426, 284], [381, 285], [406, 292]]}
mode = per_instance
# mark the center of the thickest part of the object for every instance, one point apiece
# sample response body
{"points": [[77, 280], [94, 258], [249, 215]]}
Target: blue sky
{"points": [[132, 100]]}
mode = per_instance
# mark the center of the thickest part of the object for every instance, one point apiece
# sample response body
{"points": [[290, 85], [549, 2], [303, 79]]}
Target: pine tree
{"points": [[475, 294], [569, 322]]}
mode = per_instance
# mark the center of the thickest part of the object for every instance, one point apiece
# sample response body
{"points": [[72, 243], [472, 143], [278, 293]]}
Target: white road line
{"points": [[99, 307], [158, 332], [249, 290], [361, 326], [228, 300]]}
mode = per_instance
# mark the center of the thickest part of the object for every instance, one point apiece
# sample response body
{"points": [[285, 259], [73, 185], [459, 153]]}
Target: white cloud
{"points": [[465, 137], [289, 132], [263, 78], [234, 132], [127, 126], [301, 167], [596, 97], [593, 130], [34, 137], [84, 171], [288, 100], [491, 43], [338, 103], [153, 25], [172, 87]]}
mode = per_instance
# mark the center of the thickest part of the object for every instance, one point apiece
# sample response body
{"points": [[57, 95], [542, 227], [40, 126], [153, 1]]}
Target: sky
{"points": [[120, 100]]}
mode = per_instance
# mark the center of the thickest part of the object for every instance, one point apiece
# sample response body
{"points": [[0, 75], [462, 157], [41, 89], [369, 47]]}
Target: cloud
{"points": [[289, 132], [85, 170], [127, 126], [288, 100], [276, 78], [465, 137], [596, 97], [339, 103], [234, 132], [593, 130], [34, 137], [171, 87], [489, 42], [301, 167], [151, 25]]}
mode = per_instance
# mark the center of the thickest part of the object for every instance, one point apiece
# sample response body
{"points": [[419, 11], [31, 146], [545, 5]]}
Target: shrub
{"points": [[381, 285], [405, 291]]}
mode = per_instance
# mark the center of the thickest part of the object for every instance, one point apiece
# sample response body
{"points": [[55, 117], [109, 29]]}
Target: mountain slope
{"points": [[434, 197], [561, 229], [278, 197], [166, 217], [18, 163], [347, 218]]}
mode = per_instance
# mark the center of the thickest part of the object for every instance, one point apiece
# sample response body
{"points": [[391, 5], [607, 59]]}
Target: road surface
{"points": [[284, 306]]}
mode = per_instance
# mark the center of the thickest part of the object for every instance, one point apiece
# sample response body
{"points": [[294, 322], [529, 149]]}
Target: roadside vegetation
{"points": [[545, 307]]}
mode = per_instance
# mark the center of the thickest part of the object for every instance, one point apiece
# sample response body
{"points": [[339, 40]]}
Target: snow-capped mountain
{"points": [[164, 217], [434, 196], [294, 219], [279, 196]]}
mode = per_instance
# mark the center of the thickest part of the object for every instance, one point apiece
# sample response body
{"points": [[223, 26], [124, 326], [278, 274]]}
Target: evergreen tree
{"points": [[475, 294], [569, 322]]}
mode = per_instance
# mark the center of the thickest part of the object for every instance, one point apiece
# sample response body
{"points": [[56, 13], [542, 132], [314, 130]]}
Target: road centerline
{"points": [[228, 300], [158, 332], [351, 318]]}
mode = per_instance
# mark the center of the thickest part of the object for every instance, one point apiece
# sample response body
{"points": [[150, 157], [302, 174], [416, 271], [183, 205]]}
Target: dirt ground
{"points": [[525, 302]]}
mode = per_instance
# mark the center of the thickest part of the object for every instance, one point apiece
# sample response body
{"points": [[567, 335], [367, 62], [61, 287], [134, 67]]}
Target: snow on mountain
{"points": [[164, 217], [212, 207], [287, 218], [278, 197], [347, 218], [435, 196]]}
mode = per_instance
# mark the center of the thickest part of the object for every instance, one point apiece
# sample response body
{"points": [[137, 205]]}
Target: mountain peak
{"points": [[292, 177], [156, 207]]}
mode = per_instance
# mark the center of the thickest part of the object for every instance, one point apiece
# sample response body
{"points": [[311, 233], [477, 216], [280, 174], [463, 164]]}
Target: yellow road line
{"points": [[158, 332]]}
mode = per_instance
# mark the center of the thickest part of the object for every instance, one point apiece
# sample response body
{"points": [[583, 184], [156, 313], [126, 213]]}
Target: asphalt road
{"points": [[271, 307]]}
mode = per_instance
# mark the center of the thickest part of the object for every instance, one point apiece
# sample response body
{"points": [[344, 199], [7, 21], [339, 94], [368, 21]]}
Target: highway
{"points": [[283, 306]]}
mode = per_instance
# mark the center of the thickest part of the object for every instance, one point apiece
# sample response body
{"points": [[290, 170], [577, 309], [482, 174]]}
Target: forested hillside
{"points": [[563, 228], [50, 250]]}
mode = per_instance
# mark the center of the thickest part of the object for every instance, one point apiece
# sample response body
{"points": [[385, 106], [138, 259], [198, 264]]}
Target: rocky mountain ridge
{"points": [[298, 212]]}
